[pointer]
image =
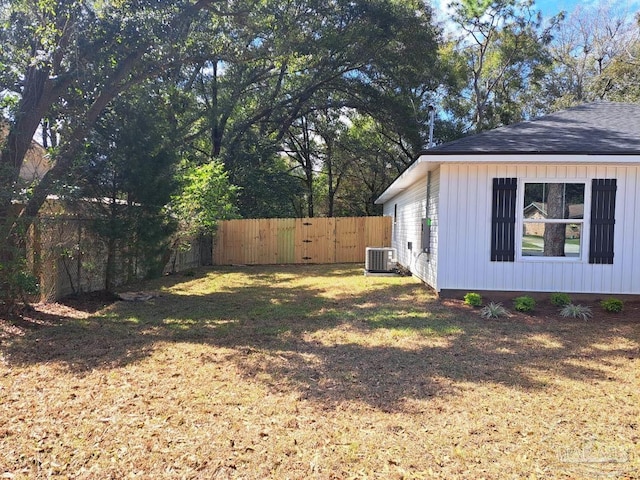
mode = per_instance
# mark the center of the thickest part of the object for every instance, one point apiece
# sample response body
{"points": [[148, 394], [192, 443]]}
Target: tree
{"points": [[596, 57], [303, 149], [73, 59], [247, 71], [332, 130], [621, 80], [555, 233], [366, 160], [267, 78], [496, 61], [205, 198], [67, 61], [123, 180]]}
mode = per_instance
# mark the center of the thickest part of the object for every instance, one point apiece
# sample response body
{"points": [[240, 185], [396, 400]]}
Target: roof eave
{"points": [[407, 178], [430, 159], [436, 152]]}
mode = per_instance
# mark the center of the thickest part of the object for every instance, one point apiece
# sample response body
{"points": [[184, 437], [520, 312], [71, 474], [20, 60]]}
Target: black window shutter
{"points": [[503, 220], [603, 207]]}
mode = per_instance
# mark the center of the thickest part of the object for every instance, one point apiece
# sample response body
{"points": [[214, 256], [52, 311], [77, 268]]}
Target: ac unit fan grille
{"points": [[380, 260]]}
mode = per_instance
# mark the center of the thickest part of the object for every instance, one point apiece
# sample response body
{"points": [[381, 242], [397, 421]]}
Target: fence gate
{"points": [[301, 240], [315, 238]]}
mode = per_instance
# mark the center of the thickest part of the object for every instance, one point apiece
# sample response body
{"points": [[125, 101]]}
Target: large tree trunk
{"points": [[14, 150], [34, 102], [555, 233], [332, 191]]}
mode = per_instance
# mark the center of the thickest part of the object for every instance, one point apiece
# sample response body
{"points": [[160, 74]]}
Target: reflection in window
{"points": [[534, 245], [552, 221]]}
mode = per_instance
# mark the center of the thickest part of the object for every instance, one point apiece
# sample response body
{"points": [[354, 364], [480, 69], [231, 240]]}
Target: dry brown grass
{"points": [[315, 372]]}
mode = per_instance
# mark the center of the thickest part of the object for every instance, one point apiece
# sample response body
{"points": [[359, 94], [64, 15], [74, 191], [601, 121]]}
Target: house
{"points": [[548, 205], [538, 210]]}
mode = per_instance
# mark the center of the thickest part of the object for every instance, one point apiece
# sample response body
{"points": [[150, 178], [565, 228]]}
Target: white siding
{"points": [[426, 264], [465, 229], [410, 206], [460, 210]]}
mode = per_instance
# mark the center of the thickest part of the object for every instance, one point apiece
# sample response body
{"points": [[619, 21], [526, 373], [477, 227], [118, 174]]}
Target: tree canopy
{"points": [[499, 55], [260, 108], [595, 57]]}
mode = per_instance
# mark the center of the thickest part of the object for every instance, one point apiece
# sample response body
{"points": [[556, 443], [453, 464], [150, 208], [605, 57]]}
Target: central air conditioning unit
{"points": [[380, 260]]}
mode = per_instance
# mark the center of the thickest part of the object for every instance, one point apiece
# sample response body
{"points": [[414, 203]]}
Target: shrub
{"points": [[576, 311], [16, 284], [612, 305], [524, 303], [493, 310], [473, 299], [560, 299]]}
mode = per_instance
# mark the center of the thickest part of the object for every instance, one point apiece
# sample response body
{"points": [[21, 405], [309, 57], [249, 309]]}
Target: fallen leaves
{"points": [[313, 376]]}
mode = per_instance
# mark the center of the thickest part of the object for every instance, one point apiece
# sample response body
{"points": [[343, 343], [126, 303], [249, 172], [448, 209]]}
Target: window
{"points": [[395, 221], [553, 220], [558, 220]]}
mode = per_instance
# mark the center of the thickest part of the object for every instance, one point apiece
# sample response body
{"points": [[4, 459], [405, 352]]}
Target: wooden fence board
{"points": [[285, 232], [378, 234], [301, 240], [347, 241], [315, 240], [301, 253]]}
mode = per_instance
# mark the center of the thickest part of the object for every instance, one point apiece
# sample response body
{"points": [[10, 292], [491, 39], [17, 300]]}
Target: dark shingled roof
{"points": [[593, 128]]}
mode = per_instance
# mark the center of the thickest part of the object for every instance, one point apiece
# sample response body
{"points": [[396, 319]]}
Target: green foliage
{"points": [[475, 8], [240, 76], [473, 299], [71, 63], [524, 303], [576, 311], [497, 59], [595, 55], [375, 58], [493, 310], [620, 82], [559, 299], [124, 180], [206, 198], [612, 305], [266, 187], [16, 281], [365, 162], [26, 282]]}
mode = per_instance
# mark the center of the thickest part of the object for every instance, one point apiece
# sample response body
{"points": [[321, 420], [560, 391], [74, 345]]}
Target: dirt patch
{"points": [[88, 302], [53, 313]]}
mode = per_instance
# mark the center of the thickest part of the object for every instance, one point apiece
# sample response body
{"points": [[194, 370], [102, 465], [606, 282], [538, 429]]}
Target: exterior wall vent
{"points": [[380, 260]]}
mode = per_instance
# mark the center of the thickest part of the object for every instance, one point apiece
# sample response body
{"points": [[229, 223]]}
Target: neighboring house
{"points": [[538, 211], [36, 163], [471, 215]]}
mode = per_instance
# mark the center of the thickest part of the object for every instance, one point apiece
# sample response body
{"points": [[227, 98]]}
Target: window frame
{"points": [[585, 221]]}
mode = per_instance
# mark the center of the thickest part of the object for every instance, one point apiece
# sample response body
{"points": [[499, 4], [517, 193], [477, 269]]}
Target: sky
{"points": [[553, 7]]}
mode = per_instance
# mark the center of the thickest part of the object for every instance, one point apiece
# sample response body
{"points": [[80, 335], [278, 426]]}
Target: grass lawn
{"points": [[315, 372], [534, 245]]}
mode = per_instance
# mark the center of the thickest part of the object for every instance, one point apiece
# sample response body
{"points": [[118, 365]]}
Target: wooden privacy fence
{"points": [[299, 240]]}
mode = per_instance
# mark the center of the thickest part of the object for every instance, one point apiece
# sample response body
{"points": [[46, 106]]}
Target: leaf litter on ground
{"points": [[314, 372]]}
